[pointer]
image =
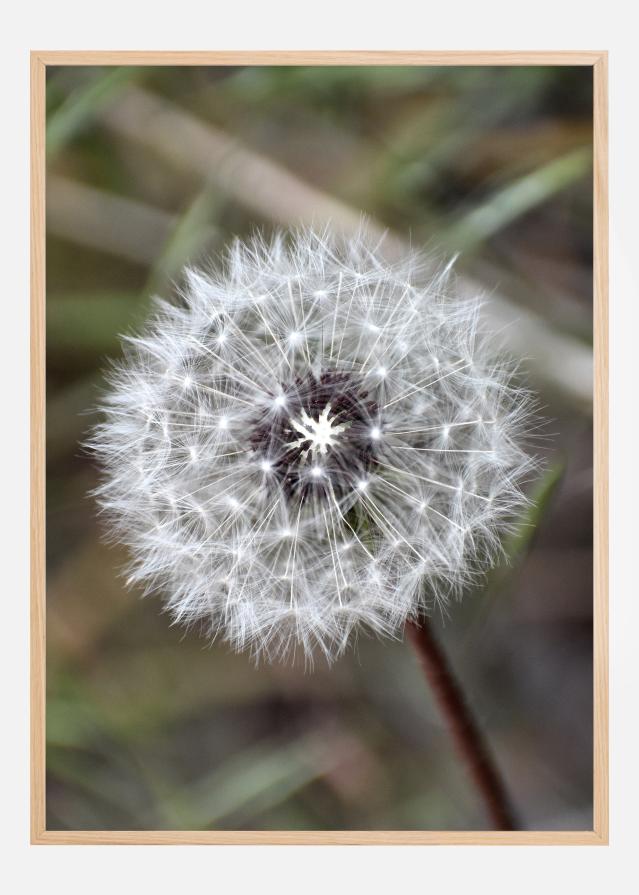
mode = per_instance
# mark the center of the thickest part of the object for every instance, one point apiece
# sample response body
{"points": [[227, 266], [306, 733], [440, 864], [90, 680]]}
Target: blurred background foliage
{"points": [[149, 728]]}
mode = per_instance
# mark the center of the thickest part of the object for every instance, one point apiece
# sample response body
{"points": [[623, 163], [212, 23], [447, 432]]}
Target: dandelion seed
{"points": [[299, 522]]}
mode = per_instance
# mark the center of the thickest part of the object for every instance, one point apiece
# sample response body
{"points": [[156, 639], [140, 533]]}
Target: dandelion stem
{"points": [[464, 730]]}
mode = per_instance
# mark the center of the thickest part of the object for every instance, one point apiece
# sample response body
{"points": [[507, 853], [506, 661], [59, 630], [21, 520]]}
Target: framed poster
{"points": [[317, 384]]}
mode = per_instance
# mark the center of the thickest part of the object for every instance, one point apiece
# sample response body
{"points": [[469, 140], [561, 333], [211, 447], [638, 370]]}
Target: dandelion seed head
{"points": [[311, 441]]}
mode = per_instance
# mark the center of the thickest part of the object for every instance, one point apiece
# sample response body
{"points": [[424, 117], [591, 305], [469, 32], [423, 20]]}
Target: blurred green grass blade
{"points": [[63, 764], [259, 778], [517, 198], [84, 103], [73, 722], [541, 498], [518, 543], [334, 86], [107, 778], [195, 230], [78, 734], [91, 324]]}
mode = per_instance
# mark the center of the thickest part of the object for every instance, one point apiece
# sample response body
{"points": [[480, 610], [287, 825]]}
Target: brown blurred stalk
{"points": [[464, 730]]}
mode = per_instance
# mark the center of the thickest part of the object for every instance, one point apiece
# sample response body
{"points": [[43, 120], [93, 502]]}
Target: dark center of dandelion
{"points": [[320, 437]]}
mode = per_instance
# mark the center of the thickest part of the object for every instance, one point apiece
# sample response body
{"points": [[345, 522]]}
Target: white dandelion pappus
{"points": [[313, 439]]}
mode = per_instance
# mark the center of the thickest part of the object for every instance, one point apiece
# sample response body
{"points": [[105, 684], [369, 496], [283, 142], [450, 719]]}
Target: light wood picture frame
{"points": [[40, 61]]}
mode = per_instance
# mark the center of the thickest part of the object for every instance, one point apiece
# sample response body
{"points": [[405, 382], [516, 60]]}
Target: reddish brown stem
{"points": [[463, 727]]}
